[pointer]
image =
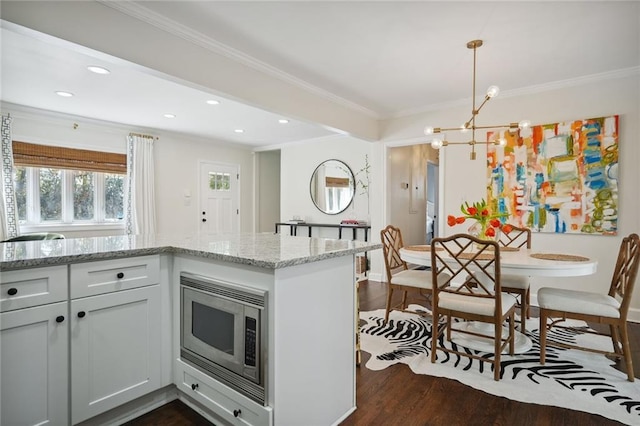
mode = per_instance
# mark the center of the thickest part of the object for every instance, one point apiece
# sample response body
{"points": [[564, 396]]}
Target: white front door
{"points": [[219, 189]]}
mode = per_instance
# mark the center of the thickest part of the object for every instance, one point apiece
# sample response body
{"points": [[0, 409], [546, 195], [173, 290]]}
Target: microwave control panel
{"points": [[250, 334]]}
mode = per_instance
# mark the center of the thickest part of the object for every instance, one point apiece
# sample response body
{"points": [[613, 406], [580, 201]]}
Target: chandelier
{"points": [[439, 139]]}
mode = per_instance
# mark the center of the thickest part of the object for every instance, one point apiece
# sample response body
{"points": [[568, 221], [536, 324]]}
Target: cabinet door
{"points": [[115, 349], [33, 366]]}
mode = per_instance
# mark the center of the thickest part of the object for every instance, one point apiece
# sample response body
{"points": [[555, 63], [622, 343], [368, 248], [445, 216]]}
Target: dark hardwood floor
{"points": [[397, 396]]}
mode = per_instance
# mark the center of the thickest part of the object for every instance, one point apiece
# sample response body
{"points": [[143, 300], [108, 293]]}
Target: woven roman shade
{"points": [[33, 155]]}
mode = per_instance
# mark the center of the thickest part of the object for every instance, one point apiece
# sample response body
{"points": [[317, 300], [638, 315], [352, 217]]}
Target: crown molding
{"points": [[529, 90], [142, 13]]}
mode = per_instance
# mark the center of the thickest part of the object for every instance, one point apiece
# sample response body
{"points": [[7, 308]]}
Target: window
{"points": [[60, 187], [219, 181], [48, 196]]}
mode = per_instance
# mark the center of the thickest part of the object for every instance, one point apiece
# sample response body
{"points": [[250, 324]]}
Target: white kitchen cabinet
{"points": [[115, 349], [34, 365], [97, 323]]}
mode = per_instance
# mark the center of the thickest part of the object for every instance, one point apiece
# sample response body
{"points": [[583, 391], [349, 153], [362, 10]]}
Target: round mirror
{"points": [[332, 187]]}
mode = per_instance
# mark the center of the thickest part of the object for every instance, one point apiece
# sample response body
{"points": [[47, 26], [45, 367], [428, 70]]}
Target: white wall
{"points": [[298, 161], [267, 190], [176, 163], [463, 179]]}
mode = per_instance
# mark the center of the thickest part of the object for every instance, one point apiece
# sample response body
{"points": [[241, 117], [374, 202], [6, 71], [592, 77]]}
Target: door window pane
{"points": [[114, 196], [50, 194], [83, 190], [219, 181]]}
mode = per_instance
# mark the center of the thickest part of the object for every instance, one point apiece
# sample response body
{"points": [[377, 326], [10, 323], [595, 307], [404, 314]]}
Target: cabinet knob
{"points": [[60, 318], [12, 291], [194, 386], [81, 314], [204, 220], [236, 413], [120, 275]]}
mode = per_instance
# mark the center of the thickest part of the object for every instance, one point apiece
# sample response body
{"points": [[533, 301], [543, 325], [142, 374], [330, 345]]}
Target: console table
{"points": [[293, 228]]}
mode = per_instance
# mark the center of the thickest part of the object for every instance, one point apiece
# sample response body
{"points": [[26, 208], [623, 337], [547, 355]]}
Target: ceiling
{"points": [[388, 59]]}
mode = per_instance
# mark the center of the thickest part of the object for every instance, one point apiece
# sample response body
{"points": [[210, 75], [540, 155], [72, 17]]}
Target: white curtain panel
{"points": [[8, 210], [140, 194]]}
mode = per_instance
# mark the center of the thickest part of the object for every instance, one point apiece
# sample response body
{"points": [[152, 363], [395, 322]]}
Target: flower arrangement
{"points": [[487, 221]]}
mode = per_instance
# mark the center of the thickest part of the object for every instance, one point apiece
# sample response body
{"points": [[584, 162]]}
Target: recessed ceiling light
{"points": [[98, 70], [283, 121], [239, 131], [169, 116], [64, 94], [213, 102]]}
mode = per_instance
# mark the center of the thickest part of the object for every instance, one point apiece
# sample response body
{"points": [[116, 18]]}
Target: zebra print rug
{"points": [[571, 379]]}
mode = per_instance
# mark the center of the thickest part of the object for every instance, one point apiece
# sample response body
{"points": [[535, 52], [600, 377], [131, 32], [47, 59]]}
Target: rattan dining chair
{"points": [[466, 285], [610, 309], [518, 284], [399, 276]]}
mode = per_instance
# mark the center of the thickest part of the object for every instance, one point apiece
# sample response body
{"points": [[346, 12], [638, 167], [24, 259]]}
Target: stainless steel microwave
{"points": [[223, 332]]}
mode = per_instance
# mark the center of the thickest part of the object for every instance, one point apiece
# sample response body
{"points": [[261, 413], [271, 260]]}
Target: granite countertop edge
{"points": [[116, 254]]}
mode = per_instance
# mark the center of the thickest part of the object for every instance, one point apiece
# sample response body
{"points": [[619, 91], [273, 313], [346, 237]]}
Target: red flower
{"points": [[495, 223], [451, 220], [507, 228], [490, 232], [460, 219], [485, 212], [472, 210]]}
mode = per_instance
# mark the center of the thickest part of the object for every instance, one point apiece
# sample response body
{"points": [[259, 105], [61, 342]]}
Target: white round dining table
{"points": [[518, 262]]}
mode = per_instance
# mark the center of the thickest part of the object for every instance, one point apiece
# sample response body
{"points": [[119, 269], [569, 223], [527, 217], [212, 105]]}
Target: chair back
{"points": [[468, 266], [625, 272], [518, 237], [391, 244], [35, 237]]}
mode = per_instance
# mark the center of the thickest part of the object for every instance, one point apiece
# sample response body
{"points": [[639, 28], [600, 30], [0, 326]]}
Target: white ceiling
{"points": [[386, 58]]}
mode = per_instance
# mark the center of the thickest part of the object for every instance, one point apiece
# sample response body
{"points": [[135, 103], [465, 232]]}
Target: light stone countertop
{"points": [[264, 250]]}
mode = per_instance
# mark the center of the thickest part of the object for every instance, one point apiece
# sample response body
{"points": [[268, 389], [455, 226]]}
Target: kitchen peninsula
{"points": [[107, 312]]}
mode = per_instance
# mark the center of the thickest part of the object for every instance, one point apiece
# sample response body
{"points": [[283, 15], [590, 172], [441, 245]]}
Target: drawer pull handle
{"points": [[59, 318], [236, 413], [81, 314], [12, 291], [194, 386], [120, 275]]}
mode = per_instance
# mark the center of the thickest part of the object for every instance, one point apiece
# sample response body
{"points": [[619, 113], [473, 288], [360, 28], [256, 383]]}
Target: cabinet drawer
{"points": [[106, 276], [25, 288], [223, 401]]}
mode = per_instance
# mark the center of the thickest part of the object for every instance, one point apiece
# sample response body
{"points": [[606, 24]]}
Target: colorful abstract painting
{"points": [[560, 178]]}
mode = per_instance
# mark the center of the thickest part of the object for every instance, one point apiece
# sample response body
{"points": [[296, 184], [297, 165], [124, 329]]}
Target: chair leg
{"points": [[615, 338], [404, 300], [543, 335], [435, 335], [389, 294], [529, 303], [524, 309], [497, 344], [626, 350], [512, 335], [358, 353]]}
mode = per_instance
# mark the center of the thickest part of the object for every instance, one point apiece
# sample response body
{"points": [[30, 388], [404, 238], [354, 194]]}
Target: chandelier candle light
{"points": [[439, 139]]}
